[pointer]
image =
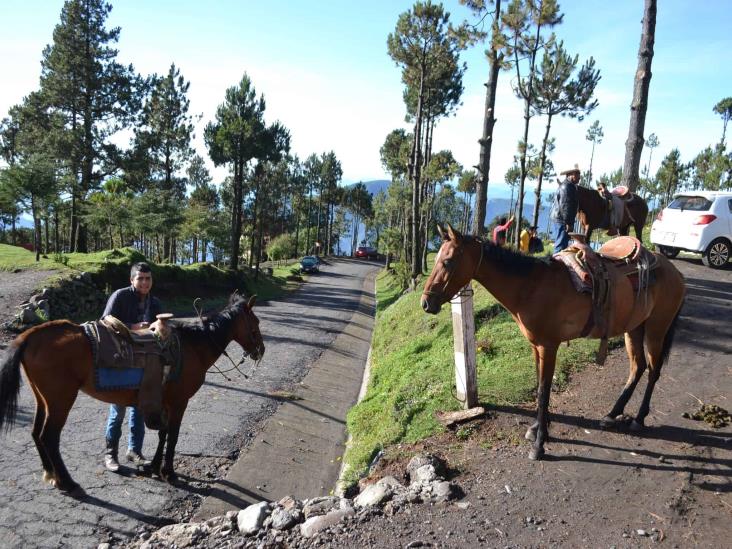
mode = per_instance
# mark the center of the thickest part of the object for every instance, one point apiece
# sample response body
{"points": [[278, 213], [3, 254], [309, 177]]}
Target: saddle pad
{"points": [[121, 377], [111, 379]]}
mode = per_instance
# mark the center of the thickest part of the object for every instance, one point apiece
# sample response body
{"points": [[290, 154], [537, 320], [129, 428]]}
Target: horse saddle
{"points": [[590, 273], [141, 359]]}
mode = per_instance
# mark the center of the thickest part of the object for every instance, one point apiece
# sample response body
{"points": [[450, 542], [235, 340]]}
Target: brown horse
{"points": [[592, 213], [539, 294], [57, 359]]}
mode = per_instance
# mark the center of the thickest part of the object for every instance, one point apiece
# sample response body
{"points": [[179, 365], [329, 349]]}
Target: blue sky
{"points": [[324, 71]]}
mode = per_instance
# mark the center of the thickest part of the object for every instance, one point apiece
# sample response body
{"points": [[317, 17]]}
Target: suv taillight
{"points": [[659, 217], [704, 219]]}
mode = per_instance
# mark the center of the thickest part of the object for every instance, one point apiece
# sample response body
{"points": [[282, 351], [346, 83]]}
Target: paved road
{"points": [[220, 418]]}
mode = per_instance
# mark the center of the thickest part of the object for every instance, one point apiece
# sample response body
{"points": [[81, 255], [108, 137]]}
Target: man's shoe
{"points": [[136, 458], [111, 463]]}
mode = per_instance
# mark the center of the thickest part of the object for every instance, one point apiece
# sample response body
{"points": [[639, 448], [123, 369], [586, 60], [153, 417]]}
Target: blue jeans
{"points": [[561, 237], [114, 427]]}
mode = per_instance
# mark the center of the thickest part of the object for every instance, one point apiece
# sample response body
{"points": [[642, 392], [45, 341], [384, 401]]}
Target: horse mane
{"points": [[214, 327], [507, 260]]}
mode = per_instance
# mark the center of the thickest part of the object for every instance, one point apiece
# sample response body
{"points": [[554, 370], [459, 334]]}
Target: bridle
{"points": [[458, 255], [222, 351]]}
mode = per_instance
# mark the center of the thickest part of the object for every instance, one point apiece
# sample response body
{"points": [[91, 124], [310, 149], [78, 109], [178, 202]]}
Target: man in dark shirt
{"points": [[564, 209], [137, 308]]}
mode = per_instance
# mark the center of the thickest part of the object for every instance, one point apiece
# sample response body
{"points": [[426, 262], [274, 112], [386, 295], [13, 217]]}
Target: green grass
{"points": [[14, 258], [412, 370]]}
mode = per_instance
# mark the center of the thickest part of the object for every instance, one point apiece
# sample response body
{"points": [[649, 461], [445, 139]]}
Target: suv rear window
{"points": [[693, 203]]}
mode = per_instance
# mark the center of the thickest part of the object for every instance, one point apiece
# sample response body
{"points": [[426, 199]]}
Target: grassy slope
{"points": [[412, 370]]}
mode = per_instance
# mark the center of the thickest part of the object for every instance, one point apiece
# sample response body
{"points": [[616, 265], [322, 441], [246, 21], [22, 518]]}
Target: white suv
{"points": [[696, 221]]}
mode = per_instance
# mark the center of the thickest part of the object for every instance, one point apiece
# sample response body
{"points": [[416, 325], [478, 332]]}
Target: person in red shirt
{"points": [[499, 233]]}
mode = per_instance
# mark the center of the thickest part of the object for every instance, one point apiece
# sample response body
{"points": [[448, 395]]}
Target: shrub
{"points": [[281, 247]]}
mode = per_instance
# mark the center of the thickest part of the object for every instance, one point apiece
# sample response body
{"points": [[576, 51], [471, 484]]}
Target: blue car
{"points": [[309, 264]]}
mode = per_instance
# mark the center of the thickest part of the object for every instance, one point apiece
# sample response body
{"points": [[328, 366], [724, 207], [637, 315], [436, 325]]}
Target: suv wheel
{"points": [[669, 251], [717, 254]]}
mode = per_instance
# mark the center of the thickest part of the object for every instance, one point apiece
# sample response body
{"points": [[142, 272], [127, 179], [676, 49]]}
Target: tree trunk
{"points": [[416, 181], [236, 216], [489, 121], [634, 144], [537, 205]]}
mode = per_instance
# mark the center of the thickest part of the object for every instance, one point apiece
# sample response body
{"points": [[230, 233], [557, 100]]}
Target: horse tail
{"points": [[10, 384], [668, 339]]}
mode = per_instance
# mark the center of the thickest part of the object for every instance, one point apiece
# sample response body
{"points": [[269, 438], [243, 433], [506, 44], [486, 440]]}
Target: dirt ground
{"points": [[670, 485]]}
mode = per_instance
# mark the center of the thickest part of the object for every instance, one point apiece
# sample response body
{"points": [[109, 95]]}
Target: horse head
{"points": [[453, 269], [246, 327]]}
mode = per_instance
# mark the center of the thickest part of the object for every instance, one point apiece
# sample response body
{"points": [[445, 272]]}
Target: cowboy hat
{"points": [[571, 170]]}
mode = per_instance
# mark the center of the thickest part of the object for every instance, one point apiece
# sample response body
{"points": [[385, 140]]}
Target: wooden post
{"points": [[463, 330]]}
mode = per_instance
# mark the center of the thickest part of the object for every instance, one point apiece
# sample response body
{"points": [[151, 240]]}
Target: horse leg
{"points": [[157, 460], [655, 361], [167, 472], [547, 362], [38, 421], [531, 431], [50, 437], [175, 417], [637, 362]]}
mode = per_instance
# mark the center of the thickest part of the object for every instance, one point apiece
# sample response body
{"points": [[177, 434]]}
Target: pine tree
{"points": [[82, 82]]}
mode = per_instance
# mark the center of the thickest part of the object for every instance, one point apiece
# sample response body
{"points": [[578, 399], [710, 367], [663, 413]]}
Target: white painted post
{"points": [[463, 330]]}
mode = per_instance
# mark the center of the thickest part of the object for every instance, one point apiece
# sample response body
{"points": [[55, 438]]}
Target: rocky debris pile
{"points": [[76, 298], [292, 523]]}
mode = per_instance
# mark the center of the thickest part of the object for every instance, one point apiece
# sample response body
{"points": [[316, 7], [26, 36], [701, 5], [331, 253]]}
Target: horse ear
{"points": [[441, 232], [251, 301], [454, 234]]}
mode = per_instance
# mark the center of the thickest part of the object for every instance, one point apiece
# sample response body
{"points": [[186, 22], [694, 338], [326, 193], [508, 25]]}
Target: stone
{"points": [[28, 315], [250, 520], [103, 546], [425, 473], [288, 502], [284, 519], [373, 494], [421, 460], [315, 524], [394, 484], [320, 505], [442, 491], [178, 535]]}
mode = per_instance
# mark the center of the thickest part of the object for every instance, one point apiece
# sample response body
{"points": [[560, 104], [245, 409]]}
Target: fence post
{"points": [[463, 330]]}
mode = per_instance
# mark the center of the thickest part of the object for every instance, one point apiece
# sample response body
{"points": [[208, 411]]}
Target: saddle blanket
{"points": [[119, 364], [118, 378]]}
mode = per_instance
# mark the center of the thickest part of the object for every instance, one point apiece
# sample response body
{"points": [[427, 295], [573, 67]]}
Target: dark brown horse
{"points": [[592, 213], [57, 360], [539, 294]]}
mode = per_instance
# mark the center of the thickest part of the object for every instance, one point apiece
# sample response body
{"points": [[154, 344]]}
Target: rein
{"points": [[235, 365]]}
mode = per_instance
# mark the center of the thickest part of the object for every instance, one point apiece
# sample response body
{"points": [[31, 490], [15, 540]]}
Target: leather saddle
{"points": [[156, 352], [590, 273]]}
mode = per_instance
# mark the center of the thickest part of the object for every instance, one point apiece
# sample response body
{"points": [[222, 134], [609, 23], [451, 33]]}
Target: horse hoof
{"points": [[536, 454], [608, 422], [530, 434], [49, 478], [169, 476], [636, 426]]}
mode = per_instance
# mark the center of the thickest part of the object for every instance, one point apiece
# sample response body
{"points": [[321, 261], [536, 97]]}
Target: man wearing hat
{"points": [[564, 209]]}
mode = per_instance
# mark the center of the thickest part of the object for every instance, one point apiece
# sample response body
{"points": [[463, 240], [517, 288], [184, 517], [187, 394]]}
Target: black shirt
{"points": [[124, 304]]}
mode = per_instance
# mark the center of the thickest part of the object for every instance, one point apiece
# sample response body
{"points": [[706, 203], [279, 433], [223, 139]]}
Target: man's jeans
{"points": [[561, 238], [136, 424]]}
